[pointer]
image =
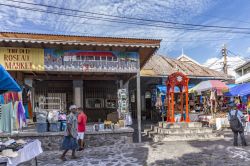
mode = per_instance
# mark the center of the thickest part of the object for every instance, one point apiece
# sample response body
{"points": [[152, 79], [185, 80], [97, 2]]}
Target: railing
{"points": [[93, 66]]}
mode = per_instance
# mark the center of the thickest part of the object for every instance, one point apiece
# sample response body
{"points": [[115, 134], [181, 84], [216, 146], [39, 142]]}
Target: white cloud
{"points": [[232, 61], [171, 10]]}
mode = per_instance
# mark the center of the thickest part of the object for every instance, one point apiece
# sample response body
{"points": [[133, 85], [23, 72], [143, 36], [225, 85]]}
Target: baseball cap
{"points": [[72, 107]]}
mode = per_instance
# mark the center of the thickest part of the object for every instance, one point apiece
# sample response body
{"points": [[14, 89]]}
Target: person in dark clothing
{"points": [[240, 116]]}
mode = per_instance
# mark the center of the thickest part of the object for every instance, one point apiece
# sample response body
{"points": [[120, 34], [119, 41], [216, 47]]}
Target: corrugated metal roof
{"points": [[163, 66], [78, 40]]}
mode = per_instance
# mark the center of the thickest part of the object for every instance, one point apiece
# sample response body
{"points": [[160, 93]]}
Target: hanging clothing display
{"points": [[21, 115], [12, 117], [212, 96], [30, 112], [6, 118]]}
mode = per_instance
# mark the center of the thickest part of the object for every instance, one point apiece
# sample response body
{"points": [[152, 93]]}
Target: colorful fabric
{"points": [[1, 99], [21, 115], [30, 110], [26, 111], [6, 118]]}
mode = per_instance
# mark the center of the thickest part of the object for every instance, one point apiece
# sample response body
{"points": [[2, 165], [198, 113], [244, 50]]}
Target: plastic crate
{"points": [[54, 127], [41, 127]]}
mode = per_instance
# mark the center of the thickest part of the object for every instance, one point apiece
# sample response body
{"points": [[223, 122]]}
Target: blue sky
{"points": [[199, 45]]}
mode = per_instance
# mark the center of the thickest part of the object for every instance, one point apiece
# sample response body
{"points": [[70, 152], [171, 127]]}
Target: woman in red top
{"points": [[82, 120]]}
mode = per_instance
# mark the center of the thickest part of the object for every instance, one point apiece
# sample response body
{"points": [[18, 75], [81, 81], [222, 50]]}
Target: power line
{"points": [[120, 21], [132, 18], [84, 23]]}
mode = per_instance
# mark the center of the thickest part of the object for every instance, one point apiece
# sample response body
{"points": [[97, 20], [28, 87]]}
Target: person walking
{"points": [[235, 118], [82, 120], [70, 135]]}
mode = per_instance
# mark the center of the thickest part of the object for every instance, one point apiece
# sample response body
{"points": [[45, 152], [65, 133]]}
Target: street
{"points": [[204, 153]]}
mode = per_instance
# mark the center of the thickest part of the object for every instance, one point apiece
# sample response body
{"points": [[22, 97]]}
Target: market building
{"points": [[243, 73], [155, 73], [61, 70]]}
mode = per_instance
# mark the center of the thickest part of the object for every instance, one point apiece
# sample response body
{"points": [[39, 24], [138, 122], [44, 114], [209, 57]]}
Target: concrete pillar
{"points": [[121, 84], [78, 92], [138, 87]]}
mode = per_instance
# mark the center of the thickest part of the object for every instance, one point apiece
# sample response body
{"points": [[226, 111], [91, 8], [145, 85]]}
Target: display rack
{"points": [[50, 103]]}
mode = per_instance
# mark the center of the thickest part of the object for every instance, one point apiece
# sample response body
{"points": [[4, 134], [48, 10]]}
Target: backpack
{"points": [[235, 123]]}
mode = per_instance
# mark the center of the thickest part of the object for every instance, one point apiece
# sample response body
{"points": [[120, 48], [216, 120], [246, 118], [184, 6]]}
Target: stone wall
{"points": [[53, 140]]}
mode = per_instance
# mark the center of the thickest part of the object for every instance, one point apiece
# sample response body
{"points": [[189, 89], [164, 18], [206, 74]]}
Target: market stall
{"points": [[209, 102], [13, 152], [240, 94], [19, 151]]}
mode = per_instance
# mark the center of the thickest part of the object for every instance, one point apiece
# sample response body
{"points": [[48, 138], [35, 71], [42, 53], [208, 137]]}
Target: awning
{"points": [[7, 83], [239, 90], [163, 88], [209, 85]]}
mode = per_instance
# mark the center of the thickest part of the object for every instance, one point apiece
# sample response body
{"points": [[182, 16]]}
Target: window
{"points": [[97, 58], [109, 58], [90, 58]]}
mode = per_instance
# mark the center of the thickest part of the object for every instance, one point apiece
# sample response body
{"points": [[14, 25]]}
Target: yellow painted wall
{"points": [[22, 59]]}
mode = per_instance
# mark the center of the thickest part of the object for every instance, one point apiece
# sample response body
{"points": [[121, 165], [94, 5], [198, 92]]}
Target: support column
{"points": [[138, 86], [181, 97], [172, 106], [78, 92], [187, 113]]}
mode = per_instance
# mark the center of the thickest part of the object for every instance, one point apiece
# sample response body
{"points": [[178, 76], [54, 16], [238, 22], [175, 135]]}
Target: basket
{"points": [[41, 127], [54, 127]]}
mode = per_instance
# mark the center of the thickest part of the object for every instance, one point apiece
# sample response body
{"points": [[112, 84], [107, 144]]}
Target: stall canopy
{"points": [[163, 89], [209, 85], [239, 90], [7, 83]]}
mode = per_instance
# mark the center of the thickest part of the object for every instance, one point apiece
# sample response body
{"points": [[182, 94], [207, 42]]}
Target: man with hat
{"points": [[70, 135], [235, 118]]}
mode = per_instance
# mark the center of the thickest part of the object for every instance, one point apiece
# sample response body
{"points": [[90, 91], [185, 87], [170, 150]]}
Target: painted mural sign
{"points": [[29, 59], [90, 61]]}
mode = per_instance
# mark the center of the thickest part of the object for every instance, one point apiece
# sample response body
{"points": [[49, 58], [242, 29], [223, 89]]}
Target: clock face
{"points": [[179, 78]]}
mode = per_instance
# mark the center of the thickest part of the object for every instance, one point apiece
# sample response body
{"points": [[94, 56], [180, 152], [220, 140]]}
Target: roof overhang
{"points": [[145, 47]]}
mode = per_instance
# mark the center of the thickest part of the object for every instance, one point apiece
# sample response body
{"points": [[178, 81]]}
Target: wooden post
{"points": [[181, 97], [168, 112], [138, 85], [172, 105], [187, 114]]}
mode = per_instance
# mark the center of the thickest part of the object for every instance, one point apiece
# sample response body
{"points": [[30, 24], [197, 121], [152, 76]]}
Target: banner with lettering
{"points": [[22, 59], [90, 61]]}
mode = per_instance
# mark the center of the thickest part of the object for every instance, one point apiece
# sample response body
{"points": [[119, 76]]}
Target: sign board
{"points": [[22, 59]]}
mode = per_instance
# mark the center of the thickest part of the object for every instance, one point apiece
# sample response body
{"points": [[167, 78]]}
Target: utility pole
{"points": [[224, 54]]}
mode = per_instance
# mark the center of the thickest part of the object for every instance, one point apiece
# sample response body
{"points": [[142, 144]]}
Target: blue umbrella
{"points": [[239, 90], [7, 83]]}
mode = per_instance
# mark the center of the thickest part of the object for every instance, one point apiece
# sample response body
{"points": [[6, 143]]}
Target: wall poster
{"points": [[90, 61]]}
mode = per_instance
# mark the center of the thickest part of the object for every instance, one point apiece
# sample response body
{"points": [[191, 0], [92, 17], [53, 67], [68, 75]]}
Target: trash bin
{"points": [[54, 127], [41, 127]]}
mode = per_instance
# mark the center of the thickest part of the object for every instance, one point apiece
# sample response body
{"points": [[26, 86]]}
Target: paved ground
{"points": [[203, 153]]}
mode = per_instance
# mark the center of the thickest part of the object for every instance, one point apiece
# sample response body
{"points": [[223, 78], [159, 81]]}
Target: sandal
{"points": [[63, 158], [74, 157]]}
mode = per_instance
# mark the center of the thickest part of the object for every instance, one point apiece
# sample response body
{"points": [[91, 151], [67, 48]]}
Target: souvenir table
{"points": [[29, 151]]}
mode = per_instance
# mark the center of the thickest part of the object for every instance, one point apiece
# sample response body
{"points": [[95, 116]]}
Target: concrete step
{"points": [[151, 134], [169, 125], [185, 137], [146, 131], [181, 131]]}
